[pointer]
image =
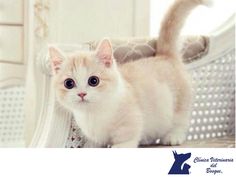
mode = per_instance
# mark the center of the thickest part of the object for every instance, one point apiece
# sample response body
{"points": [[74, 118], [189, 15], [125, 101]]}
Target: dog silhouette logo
{"points": [[179, 167]]}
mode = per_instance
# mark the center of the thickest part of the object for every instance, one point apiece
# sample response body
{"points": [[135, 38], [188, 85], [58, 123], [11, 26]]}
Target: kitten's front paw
{"points": [[174, 138], [90, 144], [127, 144]]}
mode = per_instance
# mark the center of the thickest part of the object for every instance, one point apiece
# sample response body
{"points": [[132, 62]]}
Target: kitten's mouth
{"points": [[83, 101]]}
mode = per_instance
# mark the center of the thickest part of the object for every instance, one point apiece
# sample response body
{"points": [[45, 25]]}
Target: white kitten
{"points": [[139, 101]]}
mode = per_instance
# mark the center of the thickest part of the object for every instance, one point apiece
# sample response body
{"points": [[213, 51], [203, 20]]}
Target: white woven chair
{"points": [[213, 114], [12, 115]]}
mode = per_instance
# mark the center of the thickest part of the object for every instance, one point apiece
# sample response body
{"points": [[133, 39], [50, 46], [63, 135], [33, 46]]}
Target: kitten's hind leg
{"points": [[176, 136], [181, 119]]}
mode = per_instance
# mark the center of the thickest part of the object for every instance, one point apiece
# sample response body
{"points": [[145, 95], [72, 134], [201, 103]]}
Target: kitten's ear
{"points": [[104, 52], [56, 58]]}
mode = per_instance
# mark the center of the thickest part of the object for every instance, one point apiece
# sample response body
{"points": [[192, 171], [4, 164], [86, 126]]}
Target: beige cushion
{"points": [[193, 47]]}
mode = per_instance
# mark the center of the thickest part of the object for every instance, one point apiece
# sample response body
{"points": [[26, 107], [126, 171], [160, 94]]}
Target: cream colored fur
{"points": [[137, 102]]}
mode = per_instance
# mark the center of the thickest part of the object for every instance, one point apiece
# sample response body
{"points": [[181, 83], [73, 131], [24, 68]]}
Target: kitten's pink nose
{"points": [[82, 95]]}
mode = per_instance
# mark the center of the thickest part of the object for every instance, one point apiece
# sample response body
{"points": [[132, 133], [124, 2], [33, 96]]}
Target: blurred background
{"points": [[27, 26]]}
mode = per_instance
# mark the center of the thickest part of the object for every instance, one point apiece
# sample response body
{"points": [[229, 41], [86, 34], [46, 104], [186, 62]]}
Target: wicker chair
{"points": [[212, 69], [210, 60]]}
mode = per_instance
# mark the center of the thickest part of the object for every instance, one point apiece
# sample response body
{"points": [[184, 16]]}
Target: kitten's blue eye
{"points": [[69, 83], [93, 81]]}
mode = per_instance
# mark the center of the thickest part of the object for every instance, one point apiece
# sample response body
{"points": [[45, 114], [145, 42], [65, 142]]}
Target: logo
{"points": [[179, 166]]}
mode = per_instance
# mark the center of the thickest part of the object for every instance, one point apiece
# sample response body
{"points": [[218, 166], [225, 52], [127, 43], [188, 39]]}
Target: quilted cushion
{"points": [[135, 48]]}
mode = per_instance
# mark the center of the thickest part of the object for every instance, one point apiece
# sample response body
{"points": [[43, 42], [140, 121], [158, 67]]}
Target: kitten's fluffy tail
{"points": [[172, 25]]}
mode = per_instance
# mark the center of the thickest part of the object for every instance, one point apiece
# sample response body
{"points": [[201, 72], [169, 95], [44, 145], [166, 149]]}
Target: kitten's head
{"points": [[84, 79]]}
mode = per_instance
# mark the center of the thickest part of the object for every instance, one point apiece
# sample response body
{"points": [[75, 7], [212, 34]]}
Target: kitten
{"points": [[137, 102]]}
